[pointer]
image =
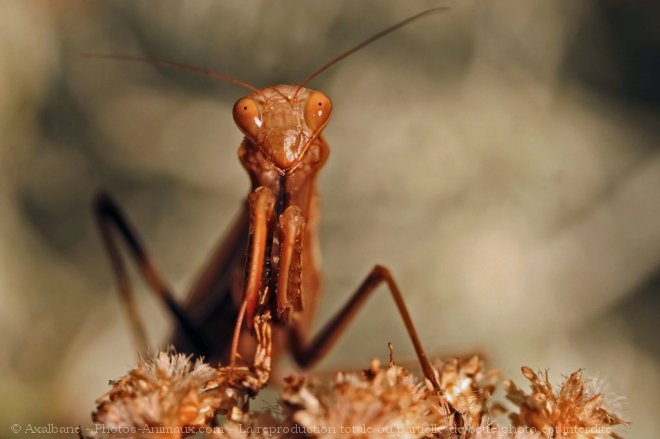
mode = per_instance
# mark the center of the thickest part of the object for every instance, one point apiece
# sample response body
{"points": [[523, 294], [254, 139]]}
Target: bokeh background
{"points": [[501, 158]]}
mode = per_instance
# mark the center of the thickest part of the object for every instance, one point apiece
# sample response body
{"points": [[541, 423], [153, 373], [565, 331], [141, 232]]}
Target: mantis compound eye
{"points": [[317, 111], [247, 116]]}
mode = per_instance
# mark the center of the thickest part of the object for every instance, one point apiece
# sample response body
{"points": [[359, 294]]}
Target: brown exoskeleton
{"points": [[283, 151]]}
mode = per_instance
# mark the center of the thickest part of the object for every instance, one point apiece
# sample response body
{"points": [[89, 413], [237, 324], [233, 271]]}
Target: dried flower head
{"points": [[468, 386], [168, 394], [571, 412], [377, 403]]}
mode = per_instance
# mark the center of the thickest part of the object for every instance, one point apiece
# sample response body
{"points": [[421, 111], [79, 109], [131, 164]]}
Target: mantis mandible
{"points": [[282, 151]]}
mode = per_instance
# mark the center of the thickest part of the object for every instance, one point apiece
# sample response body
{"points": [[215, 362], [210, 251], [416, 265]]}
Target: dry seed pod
{"points": [[170, 396], [468, 386], [377, 403], [571, 412], [166, 394]]}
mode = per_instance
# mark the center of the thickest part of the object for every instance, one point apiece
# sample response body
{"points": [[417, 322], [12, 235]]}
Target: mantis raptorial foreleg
{"points": [[262, 209]]}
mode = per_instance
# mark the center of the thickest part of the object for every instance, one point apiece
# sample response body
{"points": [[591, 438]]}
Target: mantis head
{"points": [[283, 121]]}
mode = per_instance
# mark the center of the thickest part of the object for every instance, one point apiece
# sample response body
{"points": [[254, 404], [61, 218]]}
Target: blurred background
{"points": [[501, 158]]}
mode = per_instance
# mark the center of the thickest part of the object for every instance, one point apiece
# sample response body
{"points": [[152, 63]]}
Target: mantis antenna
{"points": [[368, 41], [221, 76], [163, 62]]}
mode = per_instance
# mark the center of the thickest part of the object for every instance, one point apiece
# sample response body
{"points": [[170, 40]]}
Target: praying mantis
{"points": [[268, 262]]}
